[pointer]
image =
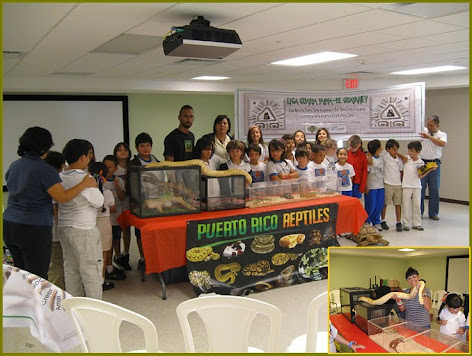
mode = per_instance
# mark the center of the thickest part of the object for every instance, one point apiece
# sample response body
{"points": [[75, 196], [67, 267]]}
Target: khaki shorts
{"points": [[104, 226], [393, 194]]}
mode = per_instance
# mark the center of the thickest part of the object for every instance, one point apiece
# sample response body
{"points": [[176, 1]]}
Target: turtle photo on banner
{"points": [[248, 253]]}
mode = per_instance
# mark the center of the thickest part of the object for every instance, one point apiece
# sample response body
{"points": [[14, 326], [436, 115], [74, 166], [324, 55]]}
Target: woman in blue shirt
{"points": [[32, 184]]}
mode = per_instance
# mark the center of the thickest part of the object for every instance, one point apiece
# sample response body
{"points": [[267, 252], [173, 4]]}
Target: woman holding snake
{"points": [[415, 311]]}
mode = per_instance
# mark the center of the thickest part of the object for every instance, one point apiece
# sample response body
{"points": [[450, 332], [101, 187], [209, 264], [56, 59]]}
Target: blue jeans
{"points": [[431, 181], [374, 203], [347, 193]]}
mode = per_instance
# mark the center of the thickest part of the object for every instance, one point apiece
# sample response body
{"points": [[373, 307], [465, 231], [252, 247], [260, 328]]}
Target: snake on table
{"points": [[204, 169], [400, 295]]}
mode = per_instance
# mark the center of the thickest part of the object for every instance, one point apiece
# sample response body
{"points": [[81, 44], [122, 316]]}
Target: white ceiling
{"points": [[393, 252], [56, 40]]}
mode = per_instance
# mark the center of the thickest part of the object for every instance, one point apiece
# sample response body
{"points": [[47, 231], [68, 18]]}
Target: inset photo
{"points": [[401, 300]]}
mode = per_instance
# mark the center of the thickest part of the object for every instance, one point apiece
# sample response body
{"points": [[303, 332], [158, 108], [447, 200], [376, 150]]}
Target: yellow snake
{"points": [[399, 295], [205, 170], [233, 268]]}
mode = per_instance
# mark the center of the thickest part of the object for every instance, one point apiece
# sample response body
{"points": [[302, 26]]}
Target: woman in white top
{"points": [[220, 136]]}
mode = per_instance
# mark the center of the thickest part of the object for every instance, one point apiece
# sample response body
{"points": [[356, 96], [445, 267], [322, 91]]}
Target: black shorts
{"points": [[116, 231]]}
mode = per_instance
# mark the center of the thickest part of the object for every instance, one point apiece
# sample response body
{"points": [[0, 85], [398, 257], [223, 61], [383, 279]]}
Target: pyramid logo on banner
{"points": [[390, 113]]}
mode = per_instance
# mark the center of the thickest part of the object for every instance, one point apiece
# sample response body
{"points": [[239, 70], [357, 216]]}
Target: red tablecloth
{"points": [[351, 332], [164, 238]]}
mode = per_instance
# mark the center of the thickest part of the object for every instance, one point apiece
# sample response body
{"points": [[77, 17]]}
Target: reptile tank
{"points": [[164, 191], [398, 335]]}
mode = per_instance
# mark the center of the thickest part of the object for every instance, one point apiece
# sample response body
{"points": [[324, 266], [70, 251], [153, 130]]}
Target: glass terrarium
{"points": [[398, 335], [164, 191], [287, 191], [223, 193]]}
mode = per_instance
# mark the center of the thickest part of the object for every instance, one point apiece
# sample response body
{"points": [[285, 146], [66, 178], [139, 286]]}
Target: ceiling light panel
{"points": [[314, 59], [210, 77], [429, 70]]}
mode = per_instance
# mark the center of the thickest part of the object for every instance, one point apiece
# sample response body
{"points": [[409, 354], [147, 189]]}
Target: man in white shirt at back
{"points": [[434, 141]]}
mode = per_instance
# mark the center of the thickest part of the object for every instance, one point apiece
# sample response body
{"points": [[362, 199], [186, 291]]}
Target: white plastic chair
{"points": [[227, 321], [98, 325], [334, 301], [314, 341], [437, 296], [458, 293], [312, 333]]}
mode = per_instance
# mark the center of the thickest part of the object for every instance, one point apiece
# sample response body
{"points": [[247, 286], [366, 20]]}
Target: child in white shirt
{"points": [[411, 186], [99, 171], [393, 167], [451, 319], [303, 168], [236, 150], [80, 238], [278, 167], [258, 168], [374, 196], [344, 172]]}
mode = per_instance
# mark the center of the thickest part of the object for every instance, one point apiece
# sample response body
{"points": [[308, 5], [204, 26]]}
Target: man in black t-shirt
{"points": [[178, 145]]}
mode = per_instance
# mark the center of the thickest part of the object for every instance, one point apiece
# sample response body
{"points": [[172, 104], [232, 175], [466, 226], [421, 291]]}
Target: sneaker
{"points": [[384, 225], [399, 227], [419, 228], [378, 227], [406, 228], [116, 275], [107, 285], [142, 265], [434, 218], [123, 262]]}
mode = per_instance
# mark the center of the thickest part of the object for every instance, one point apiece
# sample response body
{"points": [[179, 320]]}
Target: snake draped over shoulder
{"points": [[205, 170], [400, 295]]}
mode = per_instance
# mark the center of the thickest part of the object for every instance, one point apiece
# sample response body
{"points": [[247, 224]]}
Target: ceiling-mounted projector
{"points": [[200, 40]]}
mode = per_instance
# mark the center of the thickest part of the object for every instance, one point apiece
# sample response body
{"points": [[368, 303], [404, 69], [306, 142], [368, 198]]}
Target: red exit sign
{"points": [[351, 83]]}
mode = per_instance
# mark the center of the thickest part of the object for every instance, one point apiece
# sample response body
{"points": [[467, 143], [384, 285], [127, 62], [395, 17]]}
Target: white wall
{"points": [[452, 107]]}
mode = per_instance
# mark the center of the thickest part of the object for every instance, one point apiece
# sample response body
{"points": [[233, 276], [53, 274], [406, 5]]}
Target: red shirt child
{"points": [[358, 159]]}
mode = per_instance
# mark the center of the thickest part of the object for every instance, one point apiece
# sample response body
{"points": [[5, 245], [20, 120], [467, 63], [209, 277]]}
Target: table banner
{"points": [[241, 254]]}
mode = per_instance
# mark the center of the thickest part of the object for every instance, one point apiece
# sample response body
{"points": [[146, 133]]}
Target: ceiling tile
{"points": [[25, 24]]}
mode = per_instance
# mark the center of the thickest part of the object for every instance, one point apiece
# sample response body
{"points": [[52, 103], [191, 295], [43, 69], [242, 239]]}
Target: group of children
{"points": [[384, 176], [86, 229]]}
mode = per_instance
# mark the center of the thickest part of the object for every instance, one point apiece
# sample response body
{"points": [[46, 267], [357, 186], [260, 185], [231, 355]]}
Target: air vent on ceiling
{"points": [[75, 74], [198, 61], [12, 55], [355, 74]]}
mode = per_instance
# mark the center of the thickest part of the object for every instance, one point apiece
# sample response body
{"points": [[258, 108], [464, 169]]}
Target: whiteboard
{"points": [[102, 120], [457, 274]]}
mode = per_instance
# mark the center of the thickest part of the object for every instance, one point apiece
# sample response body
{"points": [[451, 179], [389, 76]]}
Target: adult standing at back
{"points": [[178, 145], [32, 184], [220, 135], [434, 141]]}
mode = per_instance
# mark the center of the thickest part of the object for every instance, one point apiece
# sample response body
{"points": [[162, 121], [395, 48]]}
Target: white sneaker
{"points": [[378, 227]]}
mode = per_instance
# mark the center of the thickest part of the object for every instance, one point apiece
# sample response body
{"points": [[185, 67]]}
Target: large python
{"points": [[399, 295], [204, 169], [233, 268]]}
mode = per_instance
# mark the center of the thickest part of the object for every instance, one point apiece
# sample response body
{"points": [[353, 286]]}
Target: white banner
{"points": [[31, 301], [395, 112]]}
